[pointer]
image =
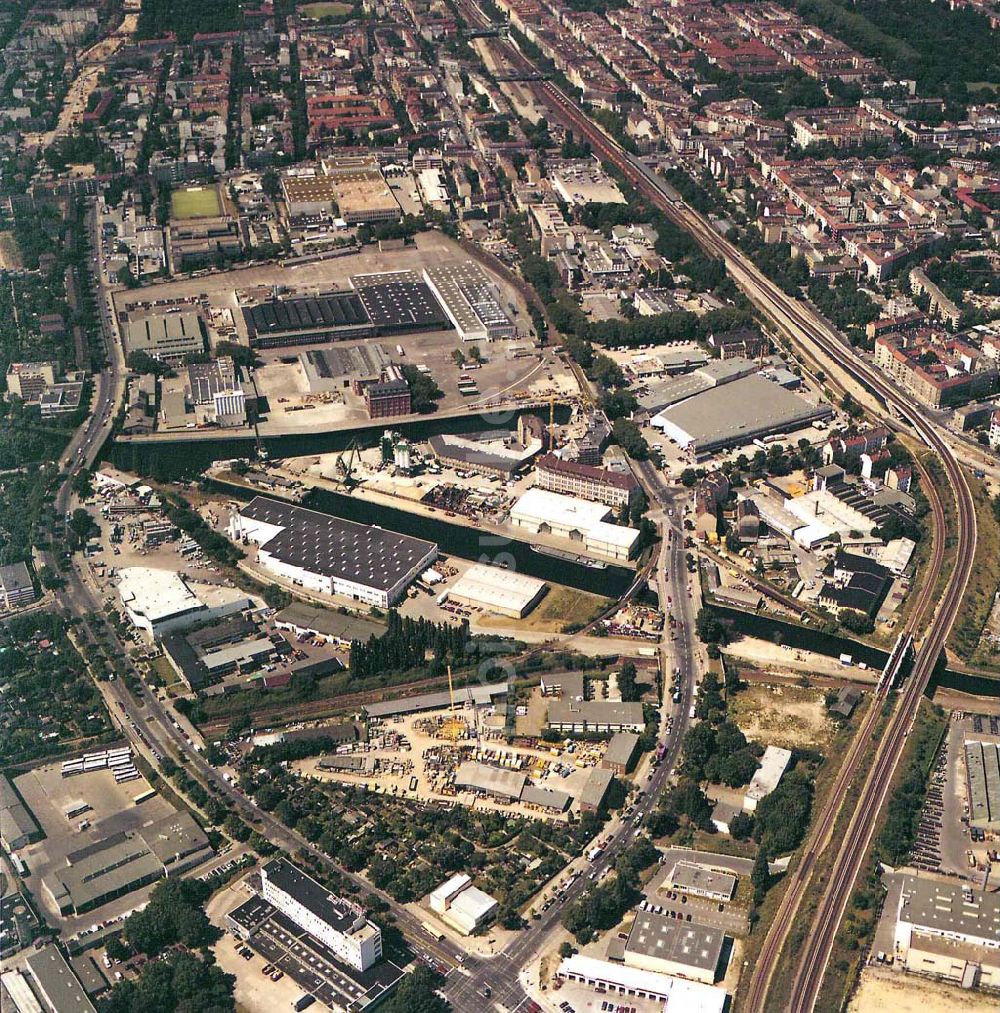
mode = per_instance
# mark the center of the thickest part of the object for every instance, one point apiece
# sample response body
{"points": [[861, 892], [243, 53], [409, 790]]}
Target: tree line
{"points": [[406, 644], [604, 905]]}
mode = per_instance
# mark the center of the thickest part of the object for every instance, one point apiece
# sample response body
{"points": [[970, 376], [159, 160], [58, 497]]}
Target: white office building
{"points": [[337, 922], [461, 905]]}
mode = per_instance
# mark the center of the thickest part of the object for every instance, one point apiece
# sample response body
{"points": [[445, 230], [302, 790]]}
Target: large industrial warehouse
{"points": [[167, 335], [578, 520], [661, 944], [395, 302], [342, 367], [332, 317], [736, 414], [501, 591], [471, 301], [331, 555], [398, 301]]}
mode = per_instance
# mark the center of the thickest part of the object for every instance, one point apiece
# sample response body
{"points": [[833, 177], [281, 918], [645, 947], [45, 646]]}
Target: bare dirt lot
{"points": [[882, 990], [558, 609], [10, 255], [782, 715]]}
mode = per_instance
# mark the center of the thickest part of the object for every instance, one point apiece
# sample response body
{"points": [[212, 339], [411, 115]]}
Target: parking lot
{"points": [[289, 951], [728, 916], [945, 842], [927, 848], [111, 811], [573, 997]]}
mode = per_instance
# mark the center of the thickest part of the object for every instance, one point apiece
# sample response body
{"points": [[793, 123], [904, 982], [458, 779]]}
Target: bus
{"points": [[143, 796], [433, 932]]}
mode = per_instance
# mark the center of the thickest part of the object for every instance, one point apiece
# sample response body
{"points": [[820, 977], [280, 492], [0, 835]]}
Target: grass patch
{"points": [[325, 10], [173, 684], [721, 844], [561, 607], [967, 631], [195, 202]]}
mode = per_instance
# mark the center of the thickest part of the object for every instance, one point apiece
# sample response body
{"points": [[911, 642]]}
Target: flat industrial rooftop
{"points": [[312, 965], [338, 309], [334, 547], [397, 303], [360, 361], [737, 413]]}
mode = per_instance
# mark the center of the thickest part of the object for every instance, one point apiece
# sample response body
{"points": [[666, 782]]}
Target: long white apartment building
{"points": [[337, 922]]}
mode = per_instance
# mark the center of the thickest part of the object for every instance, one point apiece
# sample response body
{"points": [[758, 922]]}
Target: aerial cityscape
{"points": [[500, 506]]}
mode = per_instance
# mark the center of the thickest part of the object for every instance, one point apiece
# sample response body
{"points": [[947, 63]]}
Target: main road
{"points": [[500, 973]]}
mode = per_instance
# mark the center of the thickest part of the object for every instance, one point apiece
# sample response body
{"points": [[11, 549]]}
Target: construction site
{"points": [[457, 754]]}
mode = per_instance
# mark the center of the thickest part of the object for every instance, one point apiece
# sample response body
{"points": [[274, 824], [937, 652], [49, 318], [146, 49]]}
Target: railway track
{"points": [[814, 336]]}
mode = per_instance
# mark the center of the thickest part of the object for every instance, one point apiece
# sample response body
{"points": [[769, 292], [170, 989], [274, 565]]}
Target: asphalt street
{"points": [[500, 973]]}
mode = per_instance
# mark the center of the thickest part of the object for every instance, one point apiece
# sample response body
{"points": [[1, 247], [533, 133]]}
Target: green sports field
{"points": [[195, 202]]}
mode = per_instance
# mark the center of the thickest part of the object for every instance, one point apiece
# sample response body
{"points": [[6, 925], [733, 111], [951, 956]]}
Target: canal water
{"points": [[779, 631], [173, 460], [459, 540], [791, 634]]}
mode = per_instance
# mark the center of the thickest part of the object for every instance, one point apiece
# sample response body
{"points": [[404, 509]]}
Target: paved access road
{"points": [[500, 973]]}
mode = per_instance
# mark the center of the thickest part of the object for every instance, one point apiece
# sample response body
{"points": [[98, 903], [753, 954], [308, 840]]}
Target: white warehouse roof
{"points": [[558, 510], [491, 586], [450, 888], [772, 767], [155, 594], [473, 904], [678, 993], [613, 534]]}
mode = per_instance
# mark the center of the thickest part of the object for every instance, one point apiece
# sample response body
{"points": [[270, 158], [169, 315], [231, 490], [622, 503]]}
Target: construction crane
{"points": [[345, 469], [552, 423], [454, 727]]}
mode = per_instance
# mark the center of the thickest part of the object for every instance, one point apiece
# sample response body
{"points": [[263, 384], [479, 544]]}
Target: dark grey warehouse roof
{"points": [[333, 911], [655, 935], [14, 577], [406, 304], [338, 309], [334, 547], [57, 982]]}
